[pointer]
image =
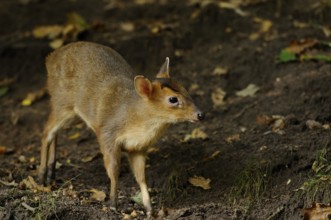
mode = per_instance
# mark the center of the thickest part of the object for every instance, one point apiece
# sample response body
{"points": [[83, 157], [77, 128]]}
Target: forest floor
{"points": [[259, 69]]}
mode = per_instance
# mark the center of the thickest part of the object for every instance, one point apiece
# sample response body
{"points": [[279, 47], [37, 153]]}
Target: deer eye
{"points": [[173, 99]]}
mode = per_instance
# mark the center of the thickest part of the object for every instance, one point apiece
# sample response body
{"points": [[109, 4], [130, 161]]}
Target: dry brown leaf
{"points": [[301, 25], [312, 124], [57, 43], [197, 133], [195, 88], [265, 26], [250, 90], [200, 181], [31, 184], [279, 124], [3, 149], [127, 26], [327, 31], [318, 212], [97, 195], [233, 5], [50, 31], [34, 96], [233, 138], [12, 183], [218, 96], [219, 71], [298, 47], [212, 156], [263, 119]]}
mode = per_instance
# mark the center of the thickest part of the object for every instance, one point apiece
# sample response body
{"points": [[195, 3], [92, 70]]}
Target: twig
{"points": [[28, 207]]}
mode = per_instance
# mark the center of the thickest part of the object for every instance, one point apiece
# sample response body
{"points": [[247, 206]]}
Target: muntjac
{"points": [[127, 113]]}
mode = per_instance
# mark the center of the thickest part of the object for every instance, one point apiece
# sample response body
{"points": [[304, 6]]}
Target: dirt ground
{"points": [[266, 154]]}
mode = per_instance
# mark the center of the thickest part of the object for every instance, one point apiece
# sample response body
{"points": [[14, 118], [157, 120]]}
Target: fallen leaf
{"points": [[301, 25], [50, 31], [31, 184], [33, 97], [12, 183], [25, 205], [279, 124], [126, 216], [250, 90], [195, 88], [22, 159], [306, 49], [326, 126], [200, 181], [233, 5], [327, 31], [215, 154], [97, 195], [134, 214], [137, 198], [78, 22], [197, 133], [317, 212], [57, 43], [127, 26], [265, 26], [218, 96], [3, 149], [297, 47], [74, 136], [58, 165], [286, 56], [233, 138], [263, 120], [312, 124], [219, 71]]}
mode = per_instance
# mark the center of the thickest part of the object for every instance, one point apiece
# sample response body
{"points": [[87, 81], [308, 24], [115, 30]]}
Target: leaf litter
{"points": [[59, 34], [199, 181], [305, 50], [197, 133], [250, 90], [97, 195]]}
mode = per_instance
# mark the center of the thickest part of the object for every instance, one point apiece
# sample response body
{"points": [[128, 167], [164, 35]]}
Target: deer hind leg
{"points": [[48, 144], [137, 162]]}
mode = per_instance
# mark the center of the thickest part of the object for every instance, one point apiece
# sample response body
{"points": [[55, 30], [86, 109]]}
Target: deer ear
{"points": [[164, 70], [143, 86]]}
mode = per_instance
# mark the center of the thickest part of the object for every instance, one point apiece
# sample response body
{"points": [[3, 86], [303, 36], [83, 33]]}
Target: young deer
{"points": [[126, 113]]}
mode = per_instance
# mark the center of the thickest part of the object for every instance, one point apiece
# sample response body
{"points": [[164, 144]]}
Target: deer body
{"points": [[126, 113]]}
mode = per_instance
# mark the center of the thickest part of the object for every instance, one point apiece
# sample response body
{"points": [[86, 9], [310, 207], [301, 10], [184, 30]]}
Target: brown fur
{"points": [[126, 113]]}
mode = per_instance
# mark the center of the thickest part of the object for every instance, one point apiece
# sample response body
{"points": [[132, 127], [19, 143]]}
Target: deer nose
{"points": [[201, 116]]}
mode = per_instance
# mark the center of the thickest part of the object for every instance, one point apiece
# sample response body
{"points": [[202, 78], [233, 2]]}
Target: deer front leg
{"points": [[137, 161]]}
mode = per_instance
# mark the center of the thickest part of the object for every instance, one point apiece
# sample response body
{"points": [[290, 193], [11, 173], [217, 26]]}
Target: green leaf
{"points": [[286, 56], [319, 57], [137, 198], [3, 90]]}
